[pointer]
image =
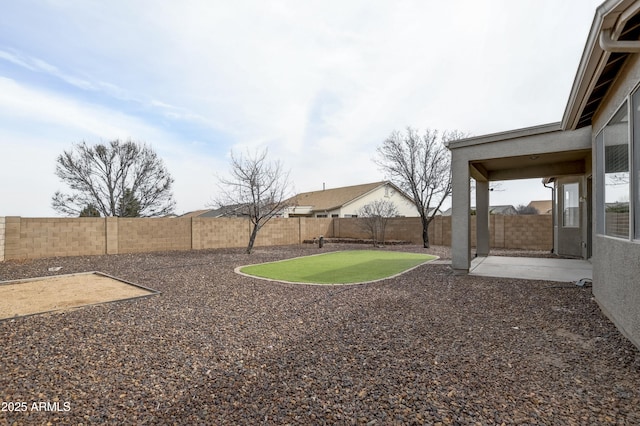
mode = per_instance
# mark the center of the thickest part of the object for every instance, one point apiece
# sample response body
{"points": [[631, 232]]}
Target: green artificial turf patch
{"points": [[342, 267]]}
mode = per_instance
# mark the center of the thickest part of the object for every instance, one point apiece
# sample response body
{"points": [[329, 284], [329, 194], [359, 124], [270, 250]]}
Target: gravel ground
{"points": [[219, 348]]}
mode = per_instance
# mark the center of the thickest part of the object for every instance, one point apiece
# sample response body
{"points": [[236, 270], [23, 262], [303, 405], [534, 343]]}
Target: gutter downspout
{"points": [[608, 44], [553, 215]]}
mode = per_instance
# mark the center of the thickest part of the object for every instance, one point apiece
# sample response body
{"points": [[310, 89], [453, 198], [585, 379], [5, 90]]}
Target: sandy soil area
{"points": [[63, 292]]}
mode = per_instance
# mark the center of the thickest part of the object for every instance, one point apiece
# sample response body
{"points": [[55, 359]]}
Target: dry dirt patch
{"points": [[46, 294]]}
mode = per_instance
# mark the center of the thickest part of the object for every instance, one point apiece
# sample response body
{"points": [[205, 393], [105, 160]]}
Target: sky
{"points": [[320, 84]]}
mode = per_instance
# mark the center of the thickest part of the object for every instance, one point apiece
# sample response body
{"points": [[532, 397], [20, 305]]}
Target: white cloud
{"points": [[35, 127], [320, 83]]}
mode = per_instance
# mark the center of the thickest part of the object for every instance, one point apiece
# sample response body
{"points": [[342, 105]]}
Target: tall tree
{"points": [[90, 211], [421, 166], [117, 178], [261, 187], [129, 206]]}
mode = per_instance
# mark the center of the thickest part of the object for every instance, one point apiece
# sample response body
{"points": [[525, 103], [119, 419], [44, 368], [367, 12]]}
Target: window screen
{"points": [[616, 174], [636, 160]]}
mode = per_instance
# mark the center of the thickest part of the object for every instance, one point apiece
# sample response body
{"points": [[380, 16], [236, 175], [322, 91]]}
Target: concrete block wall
{"points": [[446, 230], [12, 238], [531, 232], [279, 232], [404, 229], [111, 229], [2, 227], [25, 238], [137, 235], [472, 227], [208, 233], [39, 237], [401, 228], [497, 233], [311, 228], [436, 232], [348, 228]]}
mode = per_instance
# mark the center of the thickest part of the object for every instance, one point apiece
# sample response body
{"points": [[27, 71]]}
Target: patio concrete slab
{"points": [[529, 268]]}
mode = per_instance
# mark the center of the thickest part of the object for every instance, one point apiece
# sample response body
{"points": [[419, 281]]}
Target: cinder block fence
{"points": [[27, 238]]}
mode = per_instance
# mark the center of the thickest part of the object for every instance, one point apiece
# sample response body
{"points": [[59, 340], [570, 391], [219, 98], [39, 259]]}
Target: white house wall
{"points": [[405, 207]]}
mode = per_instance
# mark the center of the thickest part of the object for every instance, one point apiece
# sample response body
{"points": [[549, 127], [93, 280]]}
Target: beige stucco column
{"points": [[482, 218], [460, 229]]}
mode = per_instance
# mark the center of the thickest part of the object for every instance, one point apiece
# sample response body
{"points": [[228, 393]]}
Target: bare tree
{"points": [[260, 186], [421, 166], [374, 218], [117, 179]]}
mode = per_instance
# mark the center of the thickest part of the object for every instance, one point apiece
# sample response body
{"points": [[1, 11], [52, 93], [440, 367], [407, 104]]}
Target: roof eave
{"points": [[502, 136], [592, 62]]}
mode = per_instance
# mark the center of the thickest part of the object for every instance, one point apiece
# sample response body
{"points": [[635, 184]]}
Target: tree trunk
{"points": [[425, 232], [252, 238]]}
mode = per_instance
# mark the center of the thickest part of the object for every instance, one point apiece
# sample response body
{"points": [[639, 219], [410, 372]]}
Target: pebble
{"points": [[427, 347]]}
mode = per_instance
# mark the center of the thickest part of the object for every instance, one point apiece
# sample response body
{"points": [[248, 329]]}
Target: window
{"points": [[613, 146], [636, 161], [571, 205]]}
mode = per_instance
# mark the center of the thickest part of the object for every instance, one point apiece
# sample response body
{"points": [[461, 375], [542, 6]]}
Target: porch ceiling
{"points": [[531, 166]]}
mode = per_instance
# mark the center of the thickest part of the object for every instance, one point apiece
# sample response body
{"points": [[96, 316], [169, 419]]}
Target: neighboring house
{"points": [[592, 158], [195, 213], [347, 201], [237, 210], [542, 206], [503, 210]]}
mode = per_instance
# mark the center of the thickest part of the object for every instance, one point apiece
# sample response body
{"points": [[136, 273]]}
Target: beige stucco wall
{"points": [[616, 283], [616, 270]]}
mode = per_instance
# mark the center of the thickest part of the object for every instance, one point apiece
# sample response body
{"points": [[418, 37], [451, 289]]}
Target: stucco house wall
{"points": [[405, 207], [616, 262], [603, 144]]}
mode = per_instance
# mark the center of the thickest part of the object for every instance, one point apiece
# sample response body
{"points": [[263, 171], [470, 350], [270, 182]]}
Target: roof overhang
{"points": [[561, 163], [533, 152], [504, 136], [598, 68]]}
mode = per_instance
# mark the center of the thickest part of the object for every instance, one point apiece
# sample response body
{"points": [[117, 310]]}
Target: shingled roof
{"points": [[330, 199]]}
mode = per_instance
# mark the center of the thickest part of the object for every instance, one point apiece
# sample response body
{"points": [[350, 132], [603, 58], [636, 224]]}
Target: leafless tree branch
{"points": [[258, 186], [421, 166], [116, 179]]}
